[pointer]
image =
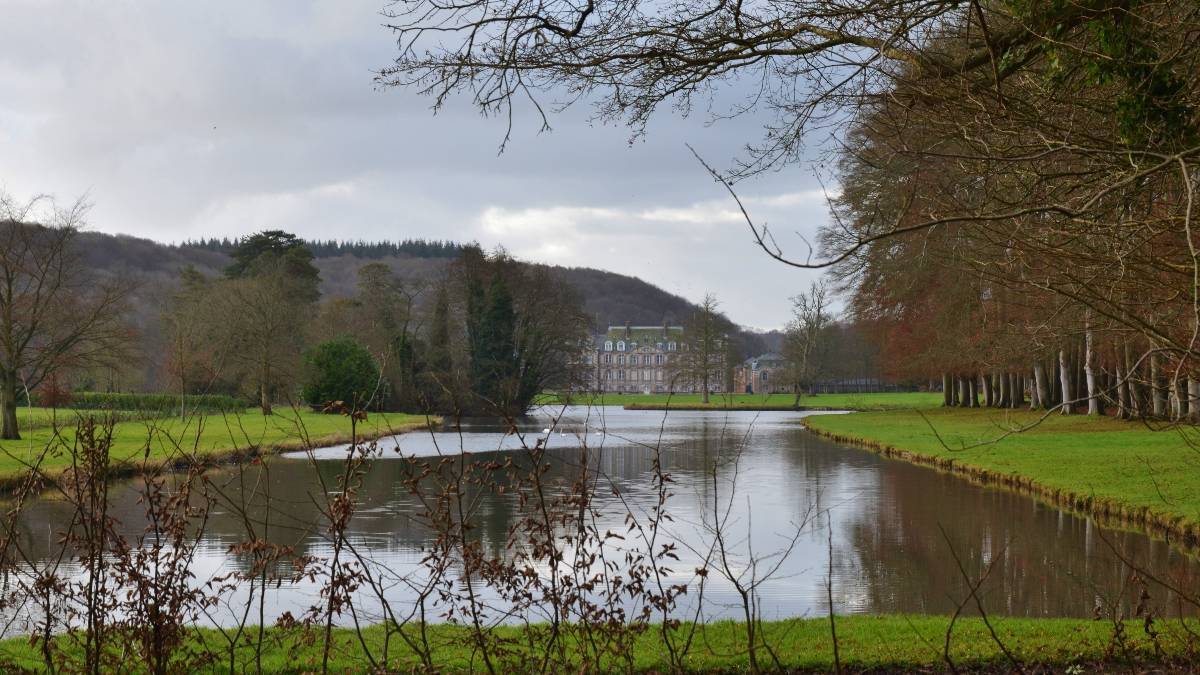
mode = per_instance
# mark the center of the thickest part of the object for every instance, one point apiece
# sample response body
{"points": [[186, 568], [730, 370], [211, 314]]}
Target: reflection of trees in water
{"points": [[1046, 562], [890, 555]]}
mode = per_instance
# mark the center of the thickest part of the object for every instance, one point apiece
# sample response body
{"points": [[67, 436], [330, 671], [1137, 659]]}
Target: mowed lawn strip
{"points": [[1126, 463], [888, 642], [868, 401], [209, 435]]}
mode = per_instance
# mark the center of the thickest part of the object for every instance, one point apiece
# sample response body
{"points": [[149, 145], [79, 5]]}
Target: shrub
{"points": [[342, 370]]}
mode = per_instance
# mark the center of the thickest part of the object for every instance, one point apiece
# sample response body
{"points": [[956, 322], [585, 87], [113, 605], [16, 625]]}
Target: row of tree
{"points": [[1017, 178], [329, 248], [485, 339]]}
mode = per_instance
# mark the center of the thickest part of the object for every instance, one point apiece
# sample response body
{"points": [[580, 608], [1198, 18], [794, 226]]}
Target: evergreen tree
{"points": [[496, 362], [273, 250]]}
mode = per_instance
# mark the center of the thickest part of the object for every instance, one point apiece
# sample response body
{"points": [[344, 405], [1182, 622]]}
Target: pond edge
{"points": [[1174, 529]]}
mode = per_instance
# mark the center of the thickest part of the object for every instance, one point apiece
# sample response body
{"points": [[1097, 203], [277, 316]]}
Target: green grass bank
{"points": [[214, 436], [869, 401], [864, 643], [1121, 472]]}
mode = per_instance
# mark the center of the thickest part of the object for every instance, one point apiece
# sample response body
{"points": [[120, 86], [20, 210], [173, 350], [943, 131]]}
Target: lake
{"points": [[796, 511]]}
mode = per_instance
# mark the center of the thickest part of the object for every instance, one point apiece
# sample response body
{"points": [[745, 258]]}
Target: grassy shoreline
{"points": [[152, 442], [866, 401], [1121, 473], [880, 643]]}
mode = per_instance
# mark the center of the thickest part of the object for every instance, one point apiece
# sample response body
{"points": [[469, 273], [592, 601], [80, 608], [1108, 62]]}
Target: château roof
{"points": [[642, 335]]}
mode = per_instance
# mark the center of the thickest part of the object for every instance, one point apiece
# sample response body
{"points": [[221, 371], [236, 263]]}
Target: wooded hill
{"points": [[608, 298]]}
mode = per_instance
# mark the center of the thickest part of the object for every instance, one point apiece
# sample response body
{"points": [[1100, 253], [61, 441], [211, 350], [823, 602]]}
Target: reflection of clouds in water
{"points": [[889, 555]]}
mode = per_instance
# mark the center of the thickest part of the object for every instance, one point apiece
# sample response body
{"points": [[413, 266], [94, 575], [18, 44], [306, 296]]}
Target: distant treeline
{"points": [[330, 248]]}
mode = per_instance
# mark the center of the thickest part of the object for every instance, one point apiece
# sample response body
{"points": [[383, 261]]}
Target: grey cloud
{"points": [[185, 119]]}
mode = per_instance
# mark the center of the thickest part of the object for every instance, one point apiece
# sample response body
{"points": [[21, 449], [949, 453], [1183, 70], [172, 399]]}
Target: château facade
{"points": [[765, 374], [637, 359]]}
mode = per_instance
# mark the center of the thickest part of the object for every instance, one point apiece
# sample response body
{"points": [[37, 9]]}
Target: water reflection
{"points": [[896, 528]]}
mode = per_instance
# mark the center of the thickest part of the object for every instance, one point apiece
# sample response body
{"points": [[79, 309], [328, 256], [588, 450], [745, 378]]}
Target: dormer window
{"points": [[671, 347], [658, 346], [608, 345], [620, 345]]}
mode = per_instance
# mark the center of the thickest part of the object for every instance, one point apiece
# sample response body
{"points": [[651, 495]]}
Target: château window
{"points": [[608, 346], [621, 360], [608, 358], [658, 346], [658, 359], [764, 377], [671, 347], [621, 346]]}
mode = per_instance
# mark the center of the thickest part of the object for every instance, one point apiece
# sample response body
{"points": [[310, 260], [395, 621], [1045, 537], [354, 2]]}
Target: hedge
{"points": [[99, 400]]}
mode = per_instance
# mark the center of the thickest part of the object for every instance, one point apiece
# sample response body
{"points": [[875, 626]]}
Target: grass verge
{"points": [[864, 643], [1122, 472], [868, 401], [214, 437]]}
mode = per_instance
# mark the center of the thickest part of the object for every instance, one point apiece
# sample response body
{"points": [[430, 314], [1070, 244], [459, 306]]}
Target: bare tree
{"points": [[805, 333], [264, 319], [701, 361], [54, 316]]}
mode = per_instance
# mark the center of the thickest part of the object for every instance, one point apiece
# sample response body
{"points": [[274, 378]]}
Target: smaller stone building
{"points": [[765, 374]]}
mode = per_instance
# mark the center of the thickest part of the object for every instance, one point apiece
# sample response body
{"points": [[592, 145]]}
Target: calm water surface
{"points": [[892, 524]]}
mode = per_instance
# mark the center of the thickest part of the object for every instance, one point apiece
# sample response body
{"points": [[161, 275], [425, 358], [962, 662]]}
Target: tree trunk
{"points": [[989, 381], [973, 392], [264, 391], [1016, 389], [1004, 393], [1039, 380], [8, 401], [1064, 376], [1179, 393], [1194, 399], [1122, 393], [947, 390], [1158, 402], [1089, 370]]}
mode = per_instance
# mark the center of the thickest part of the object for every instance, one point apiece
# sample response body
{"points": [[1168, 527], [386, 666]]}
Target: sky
{"points": [[187, 120]]}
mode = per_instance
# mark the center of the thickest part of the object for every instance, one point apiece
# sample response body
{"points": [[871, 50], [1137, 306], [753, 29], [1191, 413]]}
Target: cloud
{"points": [[182, 120]]}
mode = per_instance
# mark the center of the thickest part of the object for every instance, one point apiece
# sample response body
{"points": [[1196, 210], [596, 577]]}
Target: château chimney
{"points": [[626, 329]]}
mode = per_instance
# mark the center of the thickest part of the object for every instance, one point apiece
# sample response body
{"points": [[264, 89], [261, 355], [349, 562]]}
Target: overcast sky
{"points": [[185, 120]]}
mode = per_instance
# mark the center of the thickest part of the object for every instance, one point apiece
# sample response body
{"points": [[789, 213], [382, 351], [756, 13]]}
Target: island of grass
{"points": [[154, 439], [1122, 472], [883, 644], [844, 401]]}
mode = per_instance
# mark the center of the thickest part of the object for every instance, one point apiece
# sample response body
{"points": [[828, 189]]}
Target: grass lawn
{"points": [[1123, 466], [212, 435], [876, 401], [885, 643]]}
